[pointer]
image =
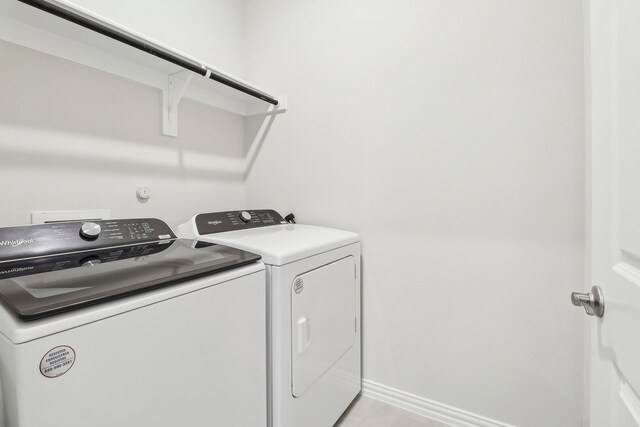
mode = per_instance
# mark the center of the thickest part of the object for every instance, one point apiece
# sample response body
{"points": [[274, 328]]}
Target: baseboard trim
{"points": [[427, 408]]}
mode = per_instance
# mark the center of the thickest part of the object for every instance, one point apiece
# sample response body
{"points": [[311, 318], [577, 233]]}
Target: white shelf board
{"points": [[32, 28]]}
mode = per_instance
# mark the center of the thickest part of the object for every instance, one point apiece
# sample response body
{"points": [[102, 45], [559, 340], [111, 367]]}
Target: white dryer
{"points": [[313, 309]]}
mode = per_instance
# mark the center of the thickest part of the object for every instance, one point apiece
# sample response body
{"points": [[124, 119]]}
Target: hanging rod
{"points": [[147, 47]]}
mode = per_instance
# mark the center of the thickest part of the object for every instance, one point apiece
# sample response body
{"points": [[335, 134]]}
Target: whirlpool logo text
{"points": [[16, 270], [15, 243]]}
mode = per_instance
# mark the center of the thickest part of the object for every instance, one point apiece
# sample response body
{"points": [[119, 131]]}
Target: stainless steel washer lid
{"points": [[52, 268], [44, 286]]}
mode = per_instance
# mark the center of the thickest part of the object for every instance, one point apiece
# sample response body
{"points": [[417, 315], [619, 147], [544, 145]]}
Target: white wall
{"points": [[76, 138], [209, 30], [449, 134]]}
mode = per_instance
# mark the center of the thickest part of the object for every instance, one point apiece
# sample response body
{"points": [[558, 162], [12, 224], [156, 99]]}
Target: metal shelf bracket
{"points": [[177, 84]]}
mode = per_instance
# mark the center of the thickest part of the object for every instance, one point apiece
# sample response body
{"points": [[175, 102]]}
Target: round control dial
{"points": [[245, 216], [90, 230]]}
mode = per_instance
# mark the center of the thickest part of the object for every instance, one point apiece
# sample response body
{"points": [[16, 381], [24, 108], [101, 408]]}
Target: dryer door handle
{"points": [[303, 335]]}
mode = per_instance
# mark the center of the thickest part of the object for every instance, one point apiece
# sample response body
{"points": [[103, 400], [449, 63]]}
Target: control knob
{"points": [[90, 230], [90, 261], [245, 216]]}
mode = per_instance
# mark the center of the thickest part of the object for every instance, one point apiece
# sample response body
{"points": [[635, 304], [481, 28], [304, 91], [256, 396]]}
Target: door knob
{"points": [[593, 302]]}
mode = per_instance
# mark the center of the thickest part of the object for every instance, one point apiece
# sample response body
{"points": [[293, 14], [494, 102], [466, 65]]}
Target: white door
{"points": [[613, 28]]}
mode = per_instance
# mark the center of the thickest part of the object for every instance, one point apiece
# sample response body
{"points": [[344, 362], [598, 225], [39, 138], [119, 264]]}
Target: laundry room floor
{"points": [[374, 413]]}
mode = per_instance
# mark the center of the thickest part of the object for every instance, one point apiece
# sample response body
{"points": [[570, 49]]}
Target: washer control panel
{"points": [[61, 237], [218, 222]]}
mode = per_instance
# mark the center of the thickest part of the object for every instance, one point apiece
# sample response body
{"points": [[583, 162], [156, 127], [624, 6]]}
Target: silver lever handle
{"points": [[592, 302]]}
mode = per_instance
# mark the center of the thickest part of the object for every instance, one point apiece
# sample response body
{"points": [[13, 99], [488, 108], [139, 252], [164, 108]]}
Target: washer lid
{"points": [[283, 244], [42, 286]]}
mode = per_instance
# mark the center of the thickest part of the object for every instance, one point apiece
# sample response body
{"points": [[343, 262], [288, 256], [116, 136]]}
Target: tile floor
{"points": [[373, 413]]}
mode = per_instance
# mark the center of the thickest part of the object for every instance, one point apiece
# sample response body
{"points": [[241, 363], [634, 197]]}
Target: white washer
{"points": [[313, 285], [118, 323]]}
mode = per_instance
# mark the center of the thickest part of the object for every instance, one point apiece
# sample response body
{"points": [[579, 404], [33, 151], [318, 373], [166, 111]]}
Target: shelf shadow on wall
{"points": [[111, 114], [46, 150], [256, 131]]}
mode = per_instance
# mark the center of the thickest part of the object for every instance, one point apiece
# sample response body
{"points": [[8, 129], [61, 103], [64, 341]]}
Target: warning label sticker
{"points": [[57, 361]]}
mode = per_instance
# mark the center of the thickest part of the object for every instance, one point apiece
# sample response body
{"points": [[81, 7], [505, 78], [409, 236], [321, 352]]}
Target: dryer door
{"points": [[323, 320]]}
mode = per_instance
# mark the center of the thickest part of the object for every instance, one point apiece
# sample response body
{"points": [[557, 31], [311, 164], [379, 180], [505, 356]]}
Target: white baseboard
{"points": [[427, 408]]}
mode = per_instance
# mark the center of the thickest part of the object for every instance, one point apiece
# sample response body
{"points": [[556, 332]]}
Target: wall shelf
{"points": [[59, 28]]}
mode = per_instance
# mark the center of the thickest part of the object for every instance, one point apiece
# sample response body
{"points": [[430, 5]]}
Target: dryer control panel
{"points": [[218, 222]]}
